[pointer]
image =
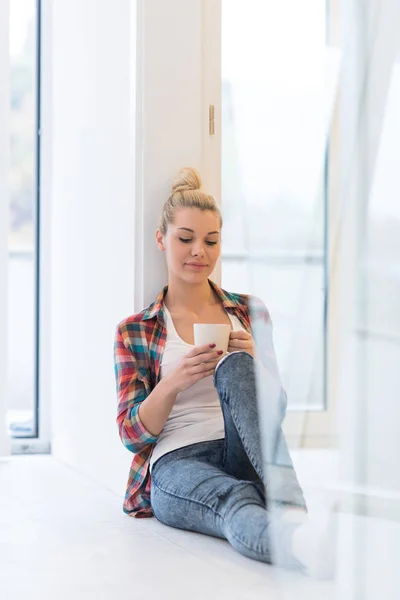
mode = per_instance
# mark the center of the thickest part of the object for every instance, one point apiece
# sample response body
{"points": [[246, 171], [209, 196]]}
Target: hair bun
{"points": [[187, 179]]}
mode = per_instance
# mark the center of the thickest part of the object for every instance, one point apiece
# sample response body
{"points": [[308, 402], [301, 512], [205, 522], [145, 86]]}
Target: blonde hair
{"points": [[186, 193]]}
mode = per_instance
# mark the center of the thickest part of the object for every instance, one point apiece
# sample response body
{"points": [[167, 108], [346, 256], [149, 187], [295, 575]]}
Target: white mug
{"points": [[211, 333]]}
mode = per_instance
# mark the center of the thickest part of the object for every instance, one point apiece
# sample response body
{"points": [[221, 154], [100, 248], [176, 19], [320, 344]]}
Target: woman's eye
{"points": [[188, 240]]}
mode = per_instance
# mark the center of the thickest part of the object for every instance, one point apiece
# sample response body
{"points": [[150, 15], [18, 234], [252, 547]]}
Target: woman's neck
{"points": [[188, 296]]}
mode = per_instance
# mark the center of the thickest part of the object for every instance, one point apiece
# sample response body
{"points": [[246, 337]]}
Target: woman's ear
{"points": [[159, 240]]}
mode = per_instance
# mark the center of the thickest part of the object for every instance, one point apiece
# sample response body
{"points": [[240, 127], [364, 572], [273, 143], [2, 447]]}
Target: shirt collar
{"points": [[156, 307]]}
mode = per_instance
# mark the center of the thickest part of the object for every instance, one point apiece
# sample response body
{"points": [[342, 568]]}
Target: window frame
{"points": [[39, 441], [311, 428]]}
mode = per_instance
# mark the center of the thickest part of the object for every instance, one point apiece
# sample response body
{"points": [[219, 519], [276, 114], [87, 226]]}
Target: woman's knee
{"points": [[235, 367]]}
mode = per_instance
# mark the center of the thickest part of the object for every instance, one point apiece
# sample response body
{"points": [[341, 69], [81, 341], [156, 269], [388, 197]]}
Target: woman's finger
{"points": [[209, 372], [204, 358], [240, 335], [240, 344], [204, 367], [208, 348]]}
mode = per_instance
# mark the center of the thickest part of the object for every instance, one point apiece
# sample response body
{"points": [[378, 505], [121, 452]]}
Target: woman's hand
{"points": [[200, 362], [241, 340]]}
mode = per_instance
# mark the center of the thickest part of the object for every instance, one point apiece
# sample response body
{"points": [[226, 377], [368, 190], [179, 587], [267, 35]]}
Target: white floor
{"points": [[64, 536]]}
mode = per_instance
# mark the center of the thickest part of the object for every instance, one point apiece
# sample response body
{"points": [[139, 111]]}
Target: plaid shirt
{"points": [[138, 349]]}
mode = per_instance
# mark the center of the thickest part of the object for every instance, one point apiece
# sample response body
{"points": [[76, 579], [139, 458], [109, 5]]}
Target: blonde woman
{"points": [[191, 423]]}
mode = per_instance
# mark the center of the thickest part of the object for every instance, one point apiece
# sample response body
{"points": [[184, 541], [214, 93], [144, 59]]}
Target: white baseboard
{"points": [[296, 442], [27, 446]]}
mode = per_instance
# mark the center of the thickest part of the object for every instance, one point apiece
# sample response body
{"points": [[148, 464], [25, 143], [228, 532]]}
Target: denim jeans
{"points": [[233, 488]]}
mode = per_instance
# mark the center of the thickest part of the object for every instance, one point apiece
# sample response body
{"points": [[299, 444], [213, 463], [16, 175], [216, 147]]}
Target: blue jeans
{"points": [[220, 488]]}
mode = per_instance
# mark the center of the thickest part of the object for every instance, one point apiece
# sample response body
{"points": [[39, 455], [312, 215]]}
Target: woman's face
{"points": [[192, 244]]}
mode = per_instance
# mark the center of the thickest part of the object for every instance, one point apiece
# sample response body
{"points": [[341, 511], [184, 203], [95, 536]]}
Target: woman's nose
{"points": [[197, 251]]}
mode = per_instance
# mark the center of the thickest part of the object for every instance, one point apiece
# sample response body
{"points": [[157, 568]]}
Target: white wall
{"points": [[4, 197], [105, 263], [92, 228], [173, 98]]}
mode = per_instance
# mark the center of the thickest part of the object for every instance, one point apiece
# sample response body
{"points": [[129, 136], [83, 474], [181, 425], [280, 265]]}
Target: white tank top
{"points": [[196, 415]]}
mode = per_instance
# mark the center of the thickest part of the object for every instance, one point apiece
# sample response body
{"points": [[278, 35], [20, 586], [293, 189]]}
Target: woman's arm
{"points": [[142, 415], [197, 363], [131, 393], [155, 410]]}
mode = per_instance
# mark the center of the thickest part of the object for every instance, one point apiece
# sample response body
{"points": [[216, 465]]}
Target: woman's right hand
{"points": [[198, 363]]}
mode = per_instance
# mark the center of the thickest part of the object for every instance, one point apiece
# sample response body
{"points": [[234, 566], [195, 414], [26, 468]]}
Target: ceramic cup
{"points": [[210, 333]]}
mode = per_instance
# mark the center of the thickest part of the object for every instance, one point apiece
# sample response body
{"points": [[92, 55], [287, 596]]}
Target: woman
{"points": [[191, 423]]}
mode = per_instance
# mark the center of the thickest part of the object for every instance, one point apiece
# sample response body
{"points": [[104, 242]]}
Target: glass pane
{"points": [[290, 290], [276, 108], [278, 89], [22, 254]]}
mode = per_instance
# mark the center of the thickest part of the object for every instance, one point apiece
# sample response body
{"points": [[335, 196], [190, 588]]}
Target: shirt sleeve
{"points": [[131, 392]]}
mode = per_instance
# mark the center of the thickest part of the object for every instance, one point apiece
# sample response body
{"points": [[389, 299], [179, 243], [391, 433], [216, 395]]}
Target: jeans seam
{"points": [[215, 512], [225, 453], [223, 399], [250, 455], [242, 437], [276, 441]]}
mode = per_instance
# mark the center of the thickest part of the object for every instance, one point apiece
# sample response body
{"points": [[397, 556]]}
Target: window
{"points": [[24, 209], [382, 235], [276, 109]]}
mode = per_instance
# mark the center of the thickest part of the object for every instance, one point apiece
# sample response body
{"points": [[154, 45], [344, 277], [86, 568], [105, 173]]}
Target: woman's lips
{"points": [[195, 266]]}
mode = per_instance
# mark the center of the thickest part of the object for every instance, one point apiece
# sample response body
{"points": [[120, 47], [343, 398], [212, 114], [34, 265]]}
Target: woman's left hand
{"points": [[241, 340]]}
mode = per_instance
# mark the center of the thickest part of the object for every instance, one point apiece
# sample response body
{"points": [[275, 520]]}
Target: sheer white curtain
{"points": [[4, 172]]}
